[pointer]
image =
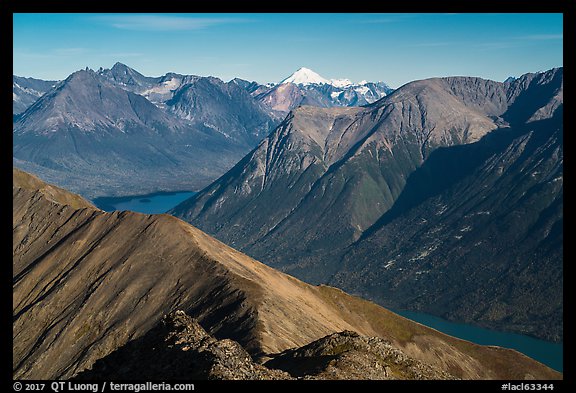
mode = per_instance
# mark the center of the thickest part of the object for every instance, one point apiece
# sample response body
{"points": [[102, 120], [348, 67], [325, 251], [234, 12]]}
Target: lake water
{"points": [[156, 203], [545, 352]]}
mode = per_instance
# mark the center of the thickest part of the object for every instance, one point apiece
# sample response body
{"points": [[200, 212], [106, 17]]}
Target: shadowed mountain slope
{"points": [[484, 245], [326, 179], [86, 283]]}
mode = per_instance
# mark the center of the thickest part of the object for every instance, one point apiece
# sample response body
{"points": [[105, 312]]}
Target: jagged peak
{"points": [[81, 75], [121, 67]]}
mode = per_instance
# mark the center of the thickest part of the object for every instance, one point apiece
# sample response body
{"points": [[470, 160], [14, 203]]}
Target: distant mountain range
{"points": [[131, 296], [206, 101], [117, 132], [445, 196], [305, 87], [100, 139]]}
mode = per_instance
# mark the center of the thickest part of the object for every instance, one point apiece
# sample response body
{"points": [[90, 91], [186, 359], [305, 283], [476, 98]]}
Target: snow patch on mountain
{"points": [[163, 88], [341, 82]]}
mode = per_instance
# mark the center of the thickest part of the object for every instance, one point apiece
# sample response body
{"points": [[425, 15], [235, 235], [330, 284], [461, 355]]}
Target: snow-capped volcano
{"points": [[305, 76], [306, 87]]}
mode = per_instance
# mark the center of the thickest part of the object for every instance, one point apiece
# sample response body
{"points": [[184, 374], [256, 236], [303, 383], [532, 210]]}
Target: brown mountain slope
{"points": [[86, 282], [56, 194]]}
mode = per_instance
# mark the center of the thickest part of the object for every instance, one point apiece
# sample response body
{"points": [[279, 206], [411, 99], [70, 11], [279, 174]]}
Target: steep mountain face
{"points": [[88, 283], [327, 180], [326, 175], [25, 91], [306, 87], [98, 138], [494, 229], [87, 102], [224, 107]]}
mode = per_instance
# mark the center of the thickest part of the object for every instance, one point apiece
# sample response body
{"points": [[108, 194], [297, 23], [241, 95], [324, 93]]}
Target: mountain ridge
{"points": [[90, 130], [335, 138], [107, 126], [25, 91], [94, 294], [317, 185]]}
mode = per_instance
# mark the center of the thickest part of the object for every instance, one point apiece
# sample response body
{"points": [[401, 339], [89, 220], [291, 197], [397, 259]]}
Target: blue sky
{"points": [[394, 48]]}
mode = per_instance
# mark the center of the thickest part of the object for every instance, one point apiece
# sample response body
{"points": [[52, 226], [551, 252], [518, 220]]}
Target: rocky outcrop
{"points": [[347, 355], [180, 349]]}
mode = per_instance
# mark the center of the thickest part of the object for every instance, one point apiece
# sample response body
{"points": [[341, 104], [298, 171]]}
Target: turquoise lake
{"points": [[545, 352], [156, 203], [549, 353]]}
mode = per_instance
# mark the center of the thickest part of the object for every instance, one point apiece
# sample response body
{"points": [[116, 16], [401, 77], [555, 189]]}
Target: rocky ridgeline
{"points": [[348, 355], [182, 349]]}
